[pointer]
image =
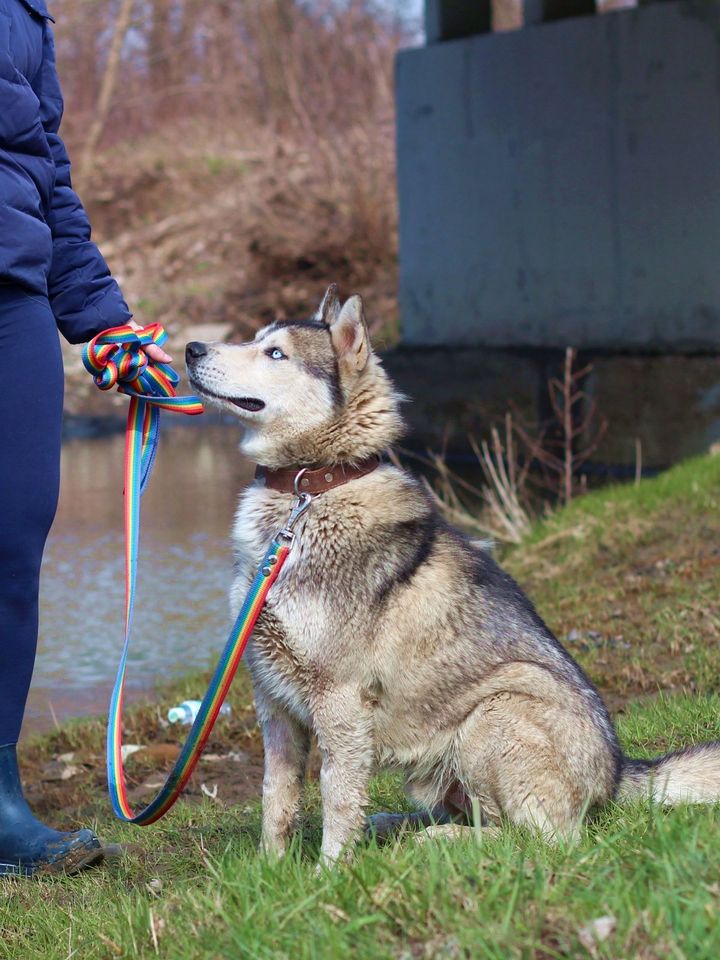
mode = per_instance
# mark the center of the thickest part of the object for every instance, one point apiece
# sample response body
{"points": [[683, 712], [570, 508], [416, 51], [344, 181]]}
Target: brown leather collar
{"points": [[315, 481]]}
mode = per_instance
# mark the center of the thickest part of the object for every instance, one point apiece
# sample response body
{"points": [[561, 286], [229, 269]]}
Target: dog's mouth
{"points": [[246, 403], [251, 404]]}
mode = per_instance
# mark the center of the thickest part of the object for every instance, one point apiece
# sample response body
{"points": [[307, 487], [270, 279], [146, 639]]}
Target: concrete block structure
{"points": [[560, 184]]}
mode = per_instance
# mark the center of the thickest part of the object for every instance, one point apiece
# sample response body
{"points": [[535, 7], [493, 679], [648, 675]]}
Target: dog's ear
{"points": [[329, 309], [350, 335]]}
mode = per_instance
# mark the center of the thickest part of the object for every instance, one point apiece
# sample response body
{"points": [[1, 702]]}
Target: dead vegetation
{"points": [[528, 468], [65, 770], [241, 157], [563, 444], [506, 480]]}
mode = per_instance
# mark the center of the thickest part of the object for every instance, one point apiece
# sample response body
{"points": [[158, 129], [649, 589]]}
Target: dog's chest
{"points": [[290, 651], [287, 656], [280, 665]]}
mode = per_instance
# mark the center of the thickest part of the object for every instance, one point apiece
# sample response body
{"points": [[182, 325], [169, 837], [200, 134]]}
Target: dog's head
{"points": [[306, 391]]}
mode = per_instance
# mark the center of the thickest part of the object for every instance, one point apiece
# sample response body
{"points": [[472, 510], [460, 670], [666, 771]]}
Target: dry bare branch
{"points": [[107, 87]]}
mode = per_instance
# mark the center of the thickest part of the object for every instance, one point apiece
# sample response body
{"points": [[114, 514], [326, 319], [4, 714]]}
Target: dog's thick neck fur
{"points": [[365, 423]]}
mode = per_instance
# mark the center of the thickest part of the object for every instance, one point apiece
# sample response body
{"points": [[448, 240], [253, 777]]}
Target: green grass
{"points": [[640, 567], [642, 562], [693, 484], [197, 881]]}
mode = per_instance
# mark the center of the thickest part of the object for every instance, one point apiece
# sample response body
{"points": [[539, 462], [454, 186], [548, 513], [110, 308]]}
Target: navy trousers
{"points": [[31, 402]]}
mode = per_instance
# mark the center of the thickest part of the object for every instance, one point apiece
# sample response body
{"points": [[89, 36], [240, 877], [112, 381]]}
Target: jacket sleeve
{"points": [[83, 295]]}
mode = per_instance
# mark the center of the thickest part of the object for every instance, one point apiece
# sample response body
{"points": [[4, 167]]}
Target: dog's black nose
{"points": [[195, 349]]}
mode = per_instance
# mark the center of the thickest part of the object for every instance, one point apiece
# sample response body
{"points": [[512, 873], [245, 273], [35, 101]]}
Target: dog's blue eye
{"points": [[275, 354]]}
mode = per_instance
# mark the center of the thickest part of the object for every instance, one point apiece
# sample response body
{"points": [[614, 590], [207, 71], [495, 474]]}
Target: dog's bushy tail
{"points": [[687, 776]]}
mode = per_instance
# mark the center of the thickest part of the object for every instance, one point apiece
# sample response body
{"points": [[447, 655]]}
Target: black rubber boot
{"points": [[27, 846]]}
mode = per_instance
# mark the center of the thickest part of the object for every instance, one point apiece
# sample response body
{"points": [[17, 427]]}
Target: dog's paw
{"points": [[381, 826], [384, 826], [452, 831]]}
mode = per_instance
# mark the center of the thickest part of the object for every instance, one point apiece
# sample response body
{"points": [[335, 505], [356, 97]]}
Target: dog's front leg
{"points": [[345, 738], [286, 745]]}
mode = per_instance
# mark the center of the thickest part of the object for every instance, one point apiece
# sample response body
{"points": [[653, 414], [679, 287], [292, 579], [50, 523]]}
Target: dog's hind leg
{"points": [[512, 751], [286, 745], [453, 810]]}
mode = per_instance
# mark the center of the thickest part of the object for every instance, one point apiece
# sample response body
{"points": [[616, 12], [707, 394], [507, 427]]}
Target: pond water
{"points": [[181, 615]]}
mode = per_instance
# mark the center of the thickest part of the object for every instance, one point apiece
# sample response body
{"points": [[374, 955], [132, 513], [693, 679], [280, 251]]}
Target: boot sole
{"points": [[77, 860]]}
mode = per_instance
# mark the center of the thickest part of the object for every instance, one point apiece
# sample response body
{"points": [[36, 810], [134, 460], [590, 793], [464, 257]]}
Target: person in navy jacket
{"points": [[52, 276]]}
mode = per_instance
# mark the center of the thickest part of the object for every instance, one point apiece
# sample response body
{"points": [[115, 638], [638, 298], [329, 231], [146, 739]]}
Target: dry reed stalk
{"points": [[505, 482], [638, 460], [580, 431]]}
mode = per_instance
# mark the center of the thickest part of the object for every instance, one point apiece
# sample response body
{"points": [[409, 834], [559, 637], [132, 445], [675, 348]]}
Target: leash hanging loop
{"points": [[116, 358]]}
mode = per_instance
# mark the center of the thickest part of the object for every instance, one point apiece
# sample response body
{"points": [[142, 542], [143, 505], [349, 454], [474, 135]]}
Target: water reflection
{"points": [[182, 615]]}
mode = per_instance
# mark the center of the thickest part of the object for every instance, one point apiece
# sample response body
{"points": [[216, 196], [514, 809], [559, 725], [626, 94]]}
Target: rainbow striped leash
{"points": [[116, 358]]}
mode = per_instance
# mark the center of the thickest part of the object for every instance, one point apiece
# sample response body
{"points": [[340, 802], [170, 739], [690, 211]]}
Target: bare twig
{"points": [[107, 87], [579, 432], [638, 460]]}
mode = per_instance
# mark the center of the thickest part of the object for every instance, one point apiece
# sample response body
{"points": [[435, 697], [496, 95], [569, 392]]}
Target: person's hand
{"points": [[153, 351]]}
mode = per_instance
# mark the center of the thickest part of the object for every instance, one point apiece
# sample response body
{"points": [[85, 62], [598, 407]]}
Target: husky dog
{"points": [[388, 634]]}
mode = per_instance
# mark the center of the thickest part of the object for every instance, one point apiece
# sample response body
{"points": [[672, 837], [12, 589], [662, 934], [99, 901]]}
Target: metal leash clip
{"points": [[303, 502]]}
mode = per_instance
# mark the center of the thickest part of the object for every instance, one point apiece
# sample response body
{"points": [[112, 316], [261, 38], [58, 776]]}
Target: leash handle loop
{"points": [[116, 358]]}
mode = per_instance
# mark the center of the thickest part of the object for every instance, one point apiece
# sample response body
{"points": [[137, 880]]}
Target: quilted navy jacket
{"points": [[45, 241]]}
